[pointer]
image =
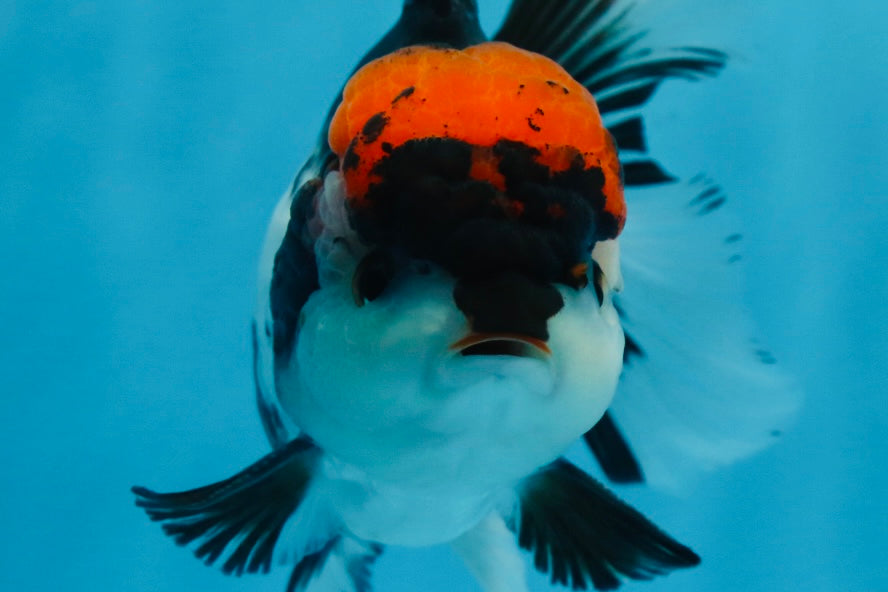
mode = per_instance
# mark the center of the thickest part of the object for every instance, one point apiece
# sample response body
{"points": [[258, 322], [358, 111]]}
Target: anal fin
{"points": [[343, 564]]}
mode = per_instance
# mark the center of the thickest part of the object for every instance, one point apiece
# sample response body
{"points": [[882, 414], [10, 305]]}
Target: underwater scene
{"points": [[444, 295]]}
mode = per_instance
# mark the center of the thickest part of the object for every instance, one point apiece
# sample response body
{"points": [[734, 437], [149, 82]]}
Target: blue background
{"points": [[144, 145]]}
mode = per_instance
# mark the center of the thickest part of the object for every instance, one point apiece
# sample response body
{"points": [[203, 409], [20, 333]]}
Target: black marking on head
{"points": [[374, 126], [508, 303], [532, 183], [427, 205], [350, 160], [588, 182], [424, 190], [387, 148], [532, 125], [404, 94], [553, 84], [518, 164]]}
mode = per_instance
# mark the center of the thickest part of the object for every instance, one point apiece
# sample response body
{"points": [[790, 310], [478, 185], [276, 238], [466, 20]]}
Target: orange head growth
{"points": [[484, 96]]}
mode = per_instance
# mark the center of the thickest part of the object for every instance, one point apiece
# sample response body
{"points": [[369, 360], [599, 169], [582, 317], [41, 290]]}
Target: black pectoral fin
{"points": [[245, 512], [612, 452], [582, 534]]}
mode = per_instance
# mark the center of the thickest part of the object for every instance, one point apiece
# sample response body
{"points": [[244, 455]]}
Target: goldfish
{"points": [[455, 289]]}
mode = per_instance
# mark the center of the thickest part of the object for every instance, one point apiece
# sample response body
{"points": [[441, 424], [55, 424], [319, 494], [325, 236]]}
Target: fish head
{"points": [[461, 247]]}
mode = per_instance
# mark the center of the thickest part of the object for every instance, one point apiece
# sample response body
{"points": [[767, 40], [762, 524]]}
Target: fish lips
{"points": [[499, 360], [502, 344]]}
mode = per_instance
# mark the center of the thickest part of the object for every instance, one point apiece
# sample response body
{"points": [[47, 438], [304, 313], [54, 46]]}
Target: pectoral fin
{"points": [[583, 535], [612, 452], [243, 514]]}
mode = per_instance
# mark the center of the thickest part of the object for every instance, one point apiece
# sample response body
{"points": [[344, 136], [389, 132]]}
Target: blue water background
{"points": [[144, 145]]}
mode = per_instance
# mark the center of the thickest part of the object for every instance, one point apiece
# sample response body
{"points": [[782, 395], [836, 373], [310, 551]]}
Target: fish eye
{"points": [[372, 276]]}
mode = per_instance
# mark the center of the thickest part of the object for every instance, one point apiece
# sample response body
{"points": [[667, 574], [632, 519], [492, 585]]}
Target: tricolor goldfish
{"points": [[442, 314]]}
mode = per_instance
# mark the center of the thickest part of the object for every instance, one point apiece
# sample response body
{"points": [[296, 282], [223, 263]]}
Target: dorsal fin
{"points": [[596, 44]]}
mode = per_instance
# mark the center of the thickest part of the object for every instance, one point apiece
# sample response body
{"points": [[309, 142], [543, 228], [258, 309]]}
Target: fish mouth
{"points": [[502, 344]]}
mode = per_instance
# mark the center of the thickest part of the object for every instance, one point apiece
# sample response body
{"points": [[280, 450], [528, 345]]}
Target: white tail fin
{"points": [[698, 390]]}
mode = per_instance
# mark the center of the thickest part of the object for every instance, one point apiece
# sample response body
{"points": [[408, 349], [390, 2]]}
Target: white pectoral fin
{"points": [[491, 553], [697, 391], [583, 536]]}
